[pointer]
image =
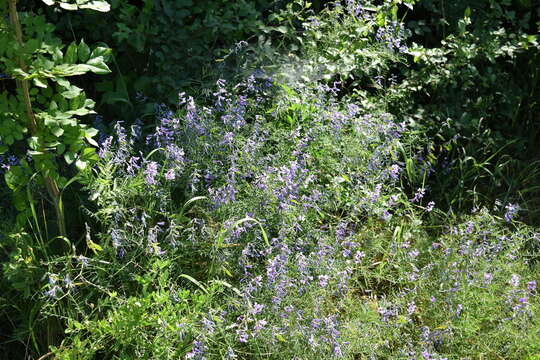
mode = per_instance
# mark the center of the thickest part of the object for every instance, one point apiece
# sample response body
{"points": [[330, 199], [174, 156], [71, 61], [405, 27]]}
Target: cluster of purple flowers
{"points": [[6, 162], [393, 36]]}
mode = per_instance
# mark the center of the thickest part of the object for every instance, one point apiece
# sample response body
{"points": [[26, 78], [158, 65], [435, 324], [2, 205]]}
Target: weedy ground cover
{"points": [[288, 215]]}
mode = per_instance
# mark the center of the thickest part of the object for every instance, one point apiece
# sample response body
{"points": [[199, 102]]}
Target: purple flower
{"points": [[151, 172], [242, 336], [337, 350], [411, 308], [170, 175], [132, 165], [394, 171], [259, 325], [84, 261], [358, 256], [230, 354], [175, 153], [430, 206], [511, 212], [54, 292], [323, 280], [418, 195], [197, 351], [531, 286], [105, 147], [487, 278], [257, 308], [209, 325], [514, 280]]}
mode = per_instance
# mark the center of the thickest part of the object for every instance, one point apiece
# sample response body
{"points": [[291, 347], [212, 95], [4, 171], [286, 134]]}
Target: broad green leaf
{"points": [[72, 92], [91, 132], [68, 6], [81, 112], [92, 142], [63, 82], [48, 2], [89, 154], [69, 157], [68, 70], [97, 66], [83, 51], [13, 177], [33, 143], [81, 165], [57, 131], [60, 148], [71, 54], [101, 6], [103, 52], [49, 120], [77, 102], [40, 83]]}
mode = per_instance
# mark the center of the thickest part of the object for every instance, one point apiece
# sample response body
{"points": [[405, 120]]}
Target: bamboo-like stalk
{"points": [[50, 183]]}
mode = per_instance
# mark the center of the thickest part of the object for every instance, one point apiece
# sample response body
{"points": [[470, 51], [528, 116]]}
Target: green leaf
{"points": [[48, 2], [101, 6], [81, 165], [33, 143], [81, 112], [57, 131], [91, 132], [69, 157], [73, 92], [103, 52], [71, 54], [89, 154], [68, 6], [83, 51], [97, 66], [40, 83], [60, 148], [63, 82], [13, 177]]}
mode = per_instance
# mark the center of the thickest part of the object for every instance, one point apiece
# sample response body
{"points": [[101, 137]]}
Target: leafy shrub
{"points": [[472, 97], [166, 45]]}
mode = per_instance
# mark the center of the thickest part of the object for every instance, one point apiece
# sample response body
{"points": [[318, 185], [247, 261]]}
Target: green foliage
{"points": [[167, 45], [44, 116], [473, 97]]}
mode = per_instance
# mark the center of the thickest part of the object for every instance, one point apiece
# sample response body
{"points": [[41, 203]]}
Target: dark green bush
{"points": [[474, 96], [162, 46]]}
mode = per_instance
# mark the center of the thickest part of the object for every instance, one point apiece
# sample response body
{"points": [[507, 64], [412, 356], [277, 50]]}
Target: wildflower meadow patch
{"points": [[294, 208]]}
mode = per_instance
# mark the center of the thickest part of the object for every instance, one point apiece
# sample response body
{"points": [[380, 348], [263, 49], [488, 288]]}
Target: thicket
{"points": [[269, 179]]}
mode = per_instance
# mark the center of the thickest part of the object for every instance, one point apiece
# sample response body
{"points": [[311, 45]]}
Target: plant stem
{"points": [[50, 183]]}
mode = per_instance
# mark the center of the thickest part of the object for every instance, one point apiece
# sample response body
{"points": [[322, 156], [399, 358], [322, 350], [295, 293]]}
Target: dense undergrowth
{"points": [[359, 181]]}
